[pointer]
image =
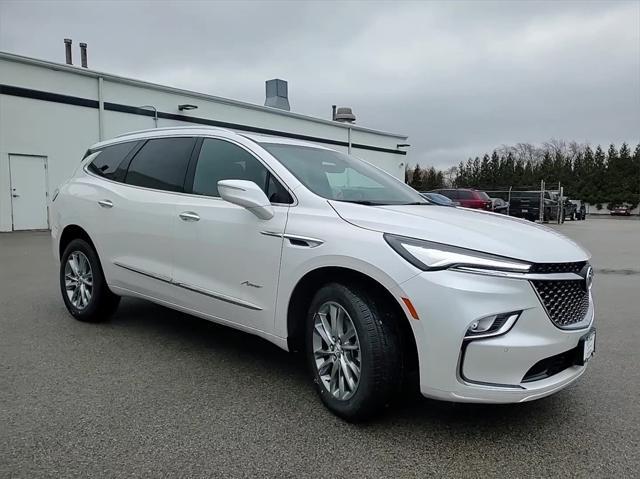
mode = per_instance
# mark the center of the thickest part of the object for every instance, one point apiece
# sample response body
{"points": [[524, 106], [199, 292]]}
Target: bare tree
{"points": [[555, 147], [450, 175], [527, 152], [576, 149]]}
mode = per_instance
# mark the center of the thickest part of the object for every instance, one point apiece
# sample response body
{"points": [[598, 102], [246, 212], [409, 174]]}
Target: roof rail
{"points": [[166, 128]]}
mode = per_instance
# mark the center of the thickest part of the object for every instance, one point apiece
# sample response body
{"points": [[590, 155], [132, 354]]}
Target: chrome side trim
{"points": [[159, 277], [219, 296], [272, 233], [505, 328], [311, 242], [514, 275], [195, 289]]}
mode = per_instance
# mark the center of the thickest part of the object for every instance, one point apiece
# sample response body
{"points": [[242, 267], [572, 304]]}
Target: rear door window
{"points": [[109, 158], [161, 164], [465, 195]]}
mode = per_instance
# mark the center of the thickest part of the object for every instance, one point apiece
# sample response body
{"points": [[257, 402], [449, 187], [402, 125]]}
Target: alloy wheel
{"points": [[336, 350], [78, 280]]}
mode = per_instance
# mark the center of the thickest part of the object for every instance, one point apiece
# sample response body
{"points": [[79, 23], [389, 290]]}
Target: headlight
{"points": [[429, 256]]}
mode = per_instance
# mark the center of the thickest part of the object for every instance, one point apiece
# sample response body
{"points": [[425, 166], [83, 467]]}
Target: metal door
{"points": [[29, 192]]}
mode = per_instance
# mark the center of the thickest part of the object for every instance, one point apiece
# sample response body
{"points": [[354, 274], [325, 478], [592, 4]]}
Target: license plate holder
{"points": [[586, 347]]}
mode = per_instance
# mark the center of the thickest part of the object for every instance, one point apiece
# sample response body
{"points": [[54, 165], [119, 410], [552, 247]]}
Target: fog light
{"points": [[493, 325]]}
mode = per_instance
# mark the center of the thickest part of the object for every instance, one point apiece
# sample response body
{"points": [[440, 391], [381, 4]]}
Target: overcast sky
{"points": [[460, 78]]}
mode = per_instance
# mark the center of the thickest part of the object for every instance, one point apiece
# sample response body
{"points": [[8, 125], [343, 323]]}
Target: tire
{"points": [[91, 301], [379, 355]]}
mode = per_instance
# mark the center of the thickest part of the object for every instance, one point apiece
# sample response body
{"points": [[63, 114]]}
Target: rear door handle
{"points": [[106, 203], [189, 216], [15, 195]]}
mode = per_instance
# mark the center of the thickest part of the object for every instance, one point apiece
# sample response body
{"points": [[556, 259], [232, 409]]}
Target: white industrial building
{"points": [[50, 113]]}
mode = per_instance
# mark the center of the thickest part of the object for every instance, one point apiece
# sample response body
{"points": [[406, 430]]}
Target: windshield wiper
{"points": [[377, 203], [364, 202]]}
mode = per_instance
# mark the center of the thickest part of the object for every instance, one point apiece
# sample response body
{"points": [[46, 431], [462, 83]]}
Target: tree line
{"points": [[588, 174]]}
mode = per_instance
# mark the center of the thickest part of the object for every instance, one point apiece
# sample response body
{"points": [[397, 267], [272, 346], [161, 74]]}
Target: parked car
{"points": [[526, 204], [498, 205], [620, 210], [325, 254], [439, 199], [467, 198]]}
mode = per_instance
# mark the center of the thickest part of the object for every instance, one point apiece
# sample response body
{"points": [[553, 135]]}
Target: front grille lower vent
{"points": [[546, 268], [566, 301], [553, 365]]}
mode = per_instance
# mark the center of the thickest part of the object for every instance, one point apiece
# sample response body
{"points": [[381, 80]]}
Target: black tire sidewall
{"points": [[362, 311], [99, 291]]}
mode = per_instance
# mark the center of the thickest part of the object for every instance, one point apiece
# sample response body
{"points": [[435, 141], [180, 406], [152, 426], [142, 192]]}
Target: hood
{"points": [[478, 230]]}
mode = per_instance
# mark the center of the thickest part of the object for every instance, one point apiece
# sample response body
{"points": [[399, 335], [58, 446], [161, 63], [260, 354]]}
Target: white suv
{"points": [[323, 253]]}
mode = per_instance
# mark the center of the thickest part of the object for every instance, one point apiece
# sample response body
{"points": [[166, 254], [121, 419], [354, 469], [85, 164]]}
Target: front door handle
{"points": [[189, 216], [15, 195], [106, 203]]}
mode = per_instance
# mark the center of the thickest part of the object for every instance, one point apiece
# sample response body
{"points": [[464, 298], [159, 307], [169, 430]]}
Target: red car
{"points": [[620, 211], [467, 197]]}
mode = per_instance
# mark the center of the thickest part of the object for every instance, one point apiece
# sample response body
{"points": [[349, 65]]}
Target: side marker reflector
{"points": [[412, 310]]}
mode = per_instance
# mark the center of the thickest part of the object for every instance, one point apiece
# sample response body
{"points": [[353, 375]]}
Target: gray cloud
{"points": [[459, 77]]}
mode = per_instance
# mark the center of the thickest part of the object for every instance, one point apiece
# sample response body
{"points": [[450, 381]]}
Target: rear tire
{"points": [[369, 378], [84, 290]]}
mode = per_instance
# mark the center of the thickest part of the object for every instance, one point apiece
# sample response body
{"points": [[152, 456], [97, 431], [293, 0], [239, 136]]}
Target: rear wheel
{"points": [[82, 284], [352, 351]]}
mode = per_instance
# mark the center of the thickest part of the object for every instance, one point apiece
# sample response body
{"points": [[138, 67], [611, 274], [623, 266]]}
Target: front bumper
{"points": [[491, 369]]}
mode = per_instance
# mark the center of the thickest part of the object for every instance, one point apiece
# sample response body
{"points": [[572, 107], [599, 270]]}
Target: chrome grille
{"points": [[545, 268], [566, 301]]}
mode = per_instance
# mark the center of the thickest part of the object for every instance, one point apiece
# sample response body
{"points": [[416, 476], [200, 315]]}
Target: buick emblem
{"points": [[588, 278]]}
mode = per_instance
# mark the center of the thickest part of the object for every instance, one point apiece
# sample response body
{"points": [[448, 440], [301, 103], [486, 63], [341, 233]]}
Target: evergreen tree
{"points": [[592, 176], [416, 178]]}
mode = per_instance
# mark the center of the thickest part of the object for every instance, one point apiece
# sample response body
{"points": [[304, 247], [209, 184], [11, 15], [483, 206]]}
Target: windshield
{"points": [[336, 176]]}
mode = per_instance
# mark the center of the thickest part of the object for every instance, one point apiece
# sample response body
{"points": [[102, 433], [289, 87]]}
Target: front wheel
{"points": [[353, 351], [82, 284]]}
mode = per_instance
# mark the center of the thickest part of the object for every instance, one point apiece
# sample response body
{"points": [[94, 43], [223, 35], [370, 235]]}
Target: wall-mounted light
{"points": [[155, 113], [187, 106]]}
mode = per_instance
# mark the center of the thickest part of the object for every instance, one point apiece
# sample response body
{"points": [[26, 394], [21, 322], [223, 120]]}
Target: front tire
{"points": [[84, 290], [353, 353]]}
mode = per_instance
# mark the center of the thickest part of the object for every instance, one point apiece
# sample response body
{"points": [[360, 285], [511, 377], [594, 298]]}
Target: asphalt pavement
{"points": [[156, 393]]}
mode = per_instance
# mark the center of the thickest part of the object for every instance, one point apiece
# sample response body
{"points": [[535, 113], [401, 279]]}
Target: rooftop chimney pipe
{"points": [[67, 50], [83, 55], [277, 94]]}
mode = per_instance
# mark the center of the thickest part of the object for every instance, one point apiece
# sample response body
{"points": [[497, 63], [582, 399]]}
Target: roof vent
{"points": [[83, 55], [277, 94], [344, 115], [67, 51]]}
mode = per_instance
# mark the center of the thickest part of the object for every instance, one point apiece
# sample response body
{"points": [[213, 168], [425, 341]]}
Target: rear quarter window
{"points": [[109, 158]]}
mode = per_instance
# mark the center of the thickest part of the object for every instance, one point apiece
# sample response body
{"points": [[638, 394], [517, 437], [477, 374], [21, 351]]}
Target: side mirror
{"points": [[248, 195]]}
